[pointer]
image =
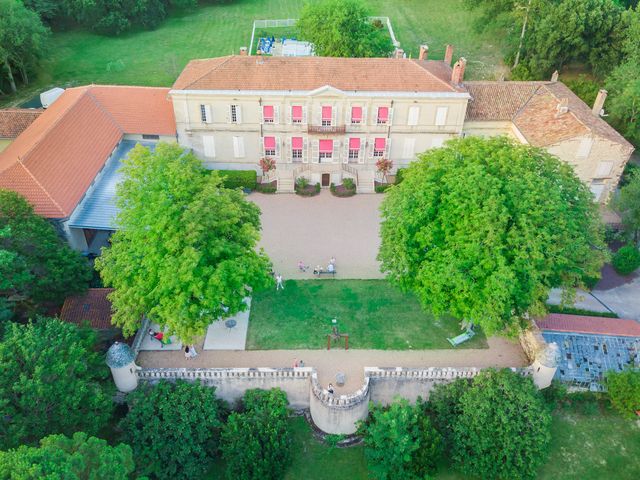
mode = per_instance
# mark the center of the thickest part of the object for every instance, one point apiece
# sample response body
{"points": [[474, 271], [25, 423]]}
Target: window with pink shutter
{"points": [[378, 147], [269, 146], [326, 146], [326, 116], [296, 114], [356, 114], [354, 148], [267, 113], [296, 147], [383, 115]]}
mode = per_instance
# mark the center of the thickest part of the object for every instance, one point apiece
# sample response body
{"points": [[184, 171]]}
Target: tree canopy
{"points": [[185, 252], [624, 391], [341, 28], [500, 426], [256, 442], [173, 428], [400, 442], [628, 204], [36, 265], [22, 42], [77, 458], [484, 228], [51, 381]]}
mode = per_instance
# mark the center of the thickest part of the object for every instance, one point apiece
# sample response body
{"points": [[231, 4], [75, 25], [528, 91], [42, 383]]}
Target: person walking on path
{"points": [[192, 351], [330, 389], [279, 285], [302, 267], [187, 353]]}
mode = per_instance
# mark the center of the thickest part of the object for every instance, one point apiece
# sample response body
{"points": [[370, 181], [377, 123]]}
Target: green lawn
{"points": [[594, 446], [156, 57], [373, 313]]}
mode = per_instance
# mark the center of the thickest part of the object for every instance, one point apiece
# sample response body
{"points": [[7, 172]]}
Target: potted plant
{"points": [[267, 164]]}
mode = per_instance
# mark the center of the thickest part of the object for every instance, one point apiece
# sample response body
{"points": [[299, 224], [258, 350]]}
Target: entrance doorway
{"points": [[326, 179]]}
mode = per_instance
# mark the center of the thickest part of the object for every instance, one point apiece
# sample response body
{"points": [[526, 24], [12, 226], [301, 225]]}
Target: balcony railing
{"points": [[328, 130]]}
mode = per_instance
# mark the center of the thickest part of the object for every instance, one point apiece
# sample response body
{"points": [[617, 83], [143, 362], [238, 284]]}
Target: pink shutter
{"points": [[267, 112], [379, 144], [354, 144], [326, 113], [356, 114], [296, 143], [296, 112], [269, 143], [326, 146], [383, 114]]}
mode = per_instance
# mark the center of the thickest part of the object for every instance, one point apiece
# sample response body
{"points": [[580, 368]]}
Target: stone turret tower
{"points": [[121, 361], [545, 365]]}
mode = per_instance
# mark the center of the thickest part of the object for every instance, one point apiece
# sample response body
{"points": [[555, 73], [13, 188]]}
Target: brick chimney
{"points": [[424, 52], [457, 75], [598, 105], [554, 76], [243, 51], [399, 53], [448, 54]]}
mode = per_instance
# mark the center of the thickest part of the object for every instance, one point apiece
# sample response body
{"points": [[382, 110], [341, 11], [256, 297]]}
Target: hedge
{"points": [[579, 311], [238, 178]]}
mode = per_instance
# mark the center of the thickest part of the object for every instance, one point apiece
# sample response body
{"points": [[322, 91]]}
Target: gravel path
{"points": [[501, 353], [317, 228]]}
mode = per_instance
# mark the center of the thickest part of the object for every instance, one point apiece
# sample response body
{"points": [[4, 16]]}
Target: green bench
{"points": [[463, 337]]}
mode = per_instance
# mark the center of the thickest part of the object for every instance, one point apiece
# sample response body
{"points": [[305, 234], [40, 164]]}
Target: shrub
{"points": [[624, 391], [256, 442], [399, 175], [400, 442], [349, 184], [626, 260], [238, 178], [382, 187], [266, 188], [318, 187], [500, 425], [173, 428], [302, 182]]}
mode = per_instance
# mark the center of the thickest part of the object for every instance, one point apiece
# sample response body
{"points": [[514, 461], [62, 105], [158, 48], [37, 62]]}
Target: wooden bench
{"points": [[324, 272], [468, 335]]}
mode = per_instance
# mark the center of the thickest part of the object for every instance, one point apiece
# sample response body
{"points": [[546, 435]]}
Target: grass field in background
{"points": [[372, 312], [221, 28]]}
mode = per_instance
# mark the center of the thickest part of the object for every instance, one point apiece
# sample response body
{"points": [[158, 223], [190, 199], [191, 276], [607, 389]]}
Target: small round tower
{"points": [[545, 365], [121, 361]]}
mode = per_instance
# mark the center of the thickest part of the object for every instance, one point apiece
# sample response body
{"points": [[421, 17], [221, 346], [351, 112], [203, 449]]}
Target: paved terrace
{"points": [[501, 353], [314, 229]]}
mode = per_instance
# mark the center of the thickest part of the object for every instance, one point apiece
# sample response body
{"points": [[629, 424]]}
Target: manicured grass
{"points": [[373, 313], [157, 57]]}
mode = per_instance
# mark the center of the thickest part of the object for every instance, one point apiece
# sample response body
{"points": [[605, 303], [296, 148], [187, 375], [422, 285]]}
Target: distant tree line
{"points": [[602, 35]]}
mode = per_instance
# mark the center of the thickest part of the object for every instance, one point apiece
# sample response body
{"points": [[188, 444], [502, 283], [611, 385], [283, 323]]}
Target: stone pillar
{"points": [[121, 361], [457, 75], [424, 52], [448, 54]]}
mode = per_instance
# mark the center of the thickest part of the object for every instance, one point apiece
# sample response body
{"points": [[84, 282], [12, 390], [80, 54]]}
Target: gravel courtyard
{"points": [[317, 228]]}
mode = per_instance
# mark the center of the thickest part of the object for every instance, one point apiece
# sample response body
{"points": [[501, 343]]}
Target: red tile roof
{"points": [[14, 121], [92, 308], [238, 72], [532, 107], [54, 161], [559, 322]]}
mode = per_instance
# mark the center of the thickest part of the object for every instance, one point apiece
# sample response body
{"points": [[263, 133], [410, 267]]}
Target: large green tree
{"points": [[400, 442], [500, 426], [341, 28], [628, 204], [36, 266], [51, 381], [484, 228], [256, 442], [77, 458], [624, 391], [173, 428], [623, 84], [185, 252], [22, 41]]}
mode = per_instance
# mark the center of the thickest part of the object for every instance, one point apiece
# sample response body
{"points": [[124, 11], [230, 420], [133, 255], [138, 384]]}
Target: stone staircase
{"points": [[365, 181], [286, 183]]}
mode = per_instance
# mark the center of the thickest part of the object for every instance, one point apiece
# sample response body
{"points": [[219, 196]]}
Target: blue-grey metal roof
{"points": [[119, 355], [585, 358], [98, 208]]}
